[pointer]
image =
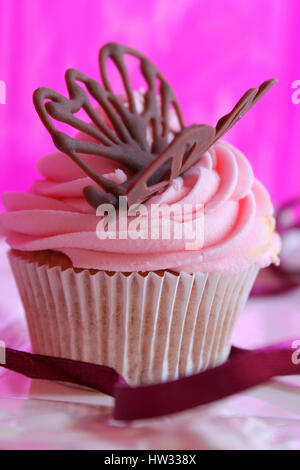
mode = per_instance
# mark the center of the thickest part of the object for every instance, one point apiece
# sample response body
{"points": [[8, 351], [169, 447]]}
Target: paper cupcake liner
{"points": [[150, 328]]}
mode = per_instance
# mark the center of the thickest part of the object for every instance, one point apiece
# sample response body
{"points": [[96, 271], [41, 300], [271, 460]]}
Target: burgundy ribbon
{"points": [[244, 369]]}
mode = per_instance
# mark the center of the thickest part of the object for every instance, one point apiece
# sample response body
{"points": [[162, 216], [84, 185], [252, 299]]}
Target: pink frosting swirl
{"points": [[238, 221]]}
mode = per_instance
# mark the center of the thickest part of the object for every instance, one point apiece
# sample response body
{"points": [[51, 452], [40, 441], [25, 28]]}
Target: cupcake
{"points": [[153, 290]]}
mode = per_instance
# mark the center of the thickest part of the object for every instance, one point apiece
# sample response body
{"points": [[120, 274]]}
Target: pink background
{"points": [[210, 51]]}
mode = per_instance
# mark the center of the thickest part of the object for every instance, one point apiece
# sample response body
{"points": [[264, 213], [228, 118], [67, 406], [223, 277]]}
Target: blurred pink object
{"points": [[211, 52]]}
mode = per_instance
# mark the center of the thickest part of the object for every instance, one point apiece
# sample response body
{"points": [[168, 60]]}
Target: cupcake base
{"points": [[150, 327]]}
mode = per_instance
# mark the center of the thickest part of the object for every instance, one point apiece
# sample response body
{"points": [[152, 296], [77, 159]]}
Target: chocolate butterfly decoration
{"points": [[152, 165]]}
